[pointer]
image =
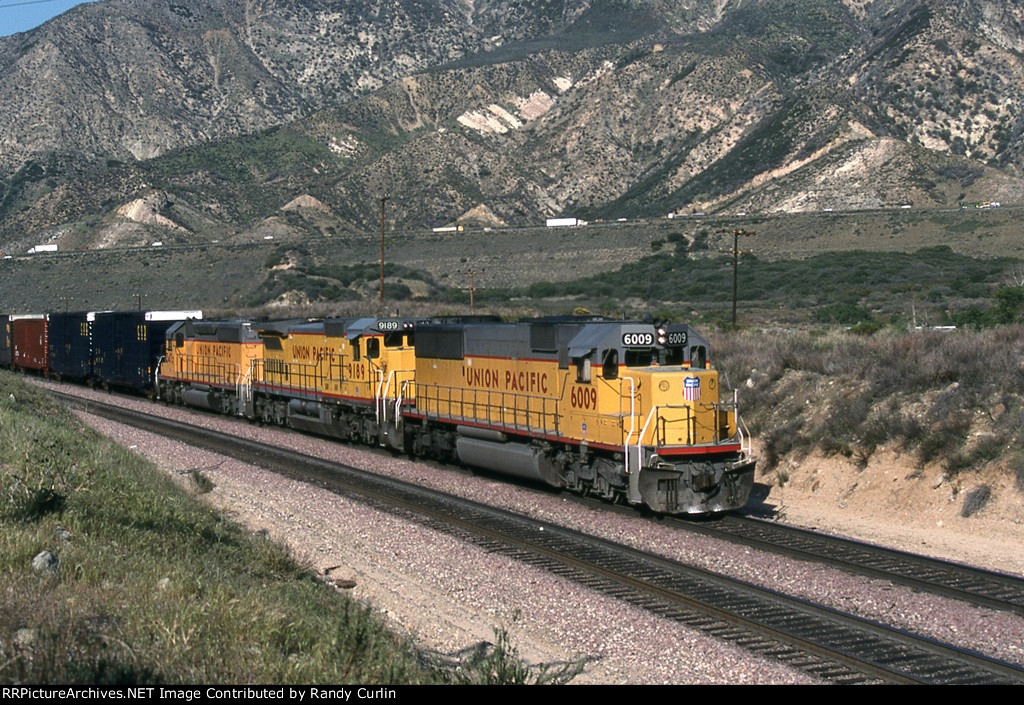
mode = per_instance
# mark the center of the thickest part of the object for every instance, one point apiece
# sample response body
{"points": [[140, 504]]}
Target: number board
{"points": [[637, 340]]}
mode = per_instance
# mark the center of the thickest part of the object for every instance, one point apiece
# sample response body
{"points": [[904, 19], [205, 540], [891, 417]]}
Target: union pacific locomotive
{"points": [[623, 410]]}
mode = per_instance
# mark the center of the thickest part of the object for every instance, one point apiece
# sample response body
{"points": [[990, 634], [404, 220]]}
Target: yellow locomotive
{"points": [[346, 378], [624, 410], [208, 364], [619, 409]]}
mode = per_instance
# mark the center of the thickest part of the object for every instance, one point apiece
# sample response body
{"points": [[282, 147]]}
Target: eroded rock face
{"points": [[644, 108], [130, 79], [148, 209]]}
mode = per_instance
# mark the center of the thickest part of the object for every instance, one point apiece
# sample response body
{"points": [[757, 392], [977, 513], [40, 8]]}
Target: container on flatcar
{"points": [[209, 364], [29, 342], [614, 408], [347, 378], [70, 344], [128, 345]]}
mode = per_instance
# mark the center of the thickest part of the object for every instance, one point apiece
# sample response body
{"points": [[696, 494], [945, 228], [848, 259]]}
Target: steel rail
{"points": [[820, 640], [977, 586]]}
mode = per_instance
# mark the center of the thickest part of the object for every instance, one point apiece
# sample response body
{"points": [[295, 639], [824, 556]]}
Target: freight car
{"points": [[69, 353], [6, 340], [29, 343], [127, 346], [109, 348]]}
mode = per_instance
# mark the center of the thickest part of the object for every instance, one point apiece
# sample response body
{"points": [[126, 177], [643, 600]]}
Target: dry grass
{"points": [[955, 397]]}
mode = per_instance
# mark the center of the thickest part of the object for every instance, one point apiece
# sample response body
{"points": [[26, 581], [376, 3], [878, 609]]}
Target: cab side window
{"points": [[372, 348], [699, 357], [610, 365]]}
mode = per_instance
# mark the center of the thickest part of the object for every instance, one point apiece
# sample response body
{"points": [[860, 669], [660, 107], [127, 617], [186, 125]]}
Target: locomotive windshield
{"points": [[660, 357]]}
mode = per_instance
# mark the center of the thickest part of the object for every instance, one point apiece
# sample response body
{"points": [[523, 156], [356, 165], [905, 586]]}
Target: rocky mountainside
{"points": [[495, 113]]}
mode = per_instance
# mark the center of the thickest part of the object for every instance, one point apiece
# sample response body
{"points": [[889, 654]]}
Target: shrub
{"points": [[975, 501], [944, 437], [501, 664], [962, 374]]}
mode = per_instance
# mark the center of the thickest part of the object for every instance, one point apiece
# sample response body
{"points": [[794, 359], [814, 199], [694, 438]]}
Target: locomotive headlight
{"points": [[662, 335]]}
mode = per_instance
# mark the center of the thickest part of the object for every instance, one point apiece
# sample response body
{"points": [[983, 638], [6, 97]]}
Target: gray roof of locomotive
{"points": [[234, 331], [542, 338]]}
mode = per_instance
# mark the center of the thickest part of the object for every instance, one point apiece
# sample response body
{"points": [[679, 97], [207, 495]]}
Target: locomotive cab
{"points": [[681, 447], [688, 453]]}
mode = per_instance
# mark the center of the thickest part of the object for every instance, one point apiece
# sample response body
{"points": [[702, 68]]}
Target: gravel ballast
{"points": [[451, 595]]}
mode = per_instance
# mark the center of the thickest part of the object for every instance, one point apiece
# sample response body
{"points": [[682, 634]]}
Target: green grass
{"points": [[338, 283], [249, 159], [156, 587]]}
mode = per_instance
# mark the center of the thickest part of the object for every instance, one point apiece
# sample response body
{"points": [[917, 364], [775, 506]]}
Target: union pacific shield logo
{"points": [[691, 388]]}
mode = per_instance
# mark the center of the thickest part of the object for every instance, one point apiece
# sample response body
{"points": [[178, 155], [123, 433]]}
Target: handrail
{"points": [[740, 425], [501, 409], [399, 398], [244, 388], [384, 395], [643, 431], [156, 376], [376, 394], [632, 421]]}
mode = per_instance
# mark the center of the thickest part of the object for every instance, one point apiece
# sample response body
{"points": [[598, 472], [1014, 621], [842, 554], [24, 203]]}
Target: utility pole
{"points": [[471, 273], [736, 252], [383, 200]]}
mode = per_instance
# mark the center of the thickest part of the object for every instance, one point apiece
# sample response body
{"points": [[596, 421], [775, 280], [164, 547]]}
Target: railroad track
{"points": [[976, 586], [824, 642]]}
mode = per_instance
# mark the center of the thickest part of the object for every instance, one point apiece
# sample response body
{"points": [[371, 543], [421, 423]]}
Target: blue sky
{"points": [[19, 15]]}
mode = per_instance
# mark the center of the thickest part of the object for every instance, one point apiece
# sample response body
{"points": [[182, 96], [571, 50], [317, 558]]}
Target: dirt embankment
{"points": [[895, 502], [910, 439]]}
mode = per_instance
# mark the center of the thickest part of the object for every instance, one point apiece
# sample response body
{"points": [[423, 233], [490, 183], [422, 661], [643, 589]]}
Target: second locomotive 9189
{"points": [[344, 377], [624, 410]]}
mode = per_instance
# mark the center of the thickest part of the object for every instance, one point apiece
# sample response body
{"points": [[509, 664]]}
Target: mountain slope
{"points": [[506, 112]]}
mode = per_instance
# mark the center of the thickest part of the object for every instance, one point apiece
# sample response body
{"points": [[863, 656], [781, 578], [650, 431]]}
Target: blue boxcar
{"points": [[70, 348], [128, 345], [5, 341]]}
